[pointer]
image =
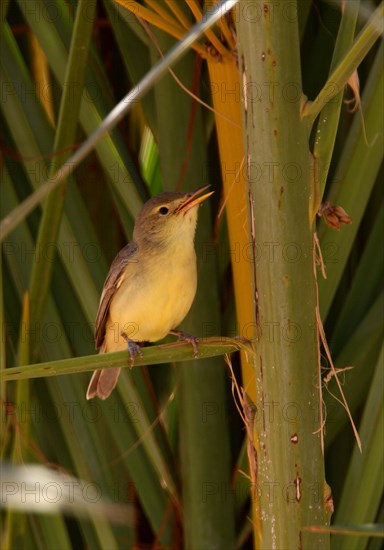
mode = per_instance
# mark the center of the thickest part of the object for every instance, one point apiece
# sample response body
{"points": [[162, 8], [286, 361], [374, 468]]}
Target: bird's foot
{"points": [[186, 337], [133, 348]]}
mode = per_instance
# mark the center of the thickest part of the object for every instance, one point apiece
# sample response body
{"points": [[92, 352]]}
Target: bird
{"points": [[151, 283]]}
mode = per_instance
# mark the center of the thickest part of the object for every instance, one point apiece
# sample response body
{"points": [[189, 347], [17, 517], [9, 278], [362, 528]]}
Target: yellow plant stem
{"points": [[216, 43], [226, 95], [151, 17], [42, 79]]}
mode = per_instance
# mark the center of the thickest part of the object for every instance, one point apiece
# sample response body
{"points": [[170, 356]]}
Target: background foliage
{"points": [[169, 444]]}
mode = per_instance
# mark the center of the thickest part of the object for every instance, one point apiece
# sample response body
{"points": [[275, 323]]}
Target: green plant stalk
{"points": [[353, 182], [329, 117], [153, 355], [365, 469], [340, 75], [289, 476], [65, 136]]}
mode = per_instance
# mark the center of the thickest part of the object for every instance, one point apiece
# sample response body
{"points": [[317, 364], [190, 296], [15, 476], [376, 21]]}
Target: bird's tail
{"points": [[102, 383]]}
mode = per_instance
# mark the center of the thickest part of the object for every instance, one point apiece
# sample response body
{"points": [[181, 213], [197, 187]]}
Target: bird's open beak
{"points": [[193, 199]]}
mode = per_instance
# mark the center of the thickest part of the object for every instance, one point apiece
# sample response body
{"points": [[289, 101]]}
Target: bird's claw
{"points": [[133, 348], [186, 337]]}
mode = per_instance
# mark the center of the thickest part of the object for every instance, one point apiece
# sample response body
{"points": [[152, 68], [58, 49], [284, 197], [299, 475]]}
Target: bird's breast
{"points": [[153, 298]]}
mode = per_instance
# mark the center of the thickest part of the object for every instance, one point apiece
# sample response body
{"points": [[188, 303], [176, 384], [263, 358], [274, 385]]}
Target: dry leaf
{"points": [[334, 216]]}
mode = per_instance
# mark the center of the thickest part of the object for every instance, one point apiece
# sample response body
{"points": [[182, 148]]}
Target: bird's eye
{"points": [[163, 210]]}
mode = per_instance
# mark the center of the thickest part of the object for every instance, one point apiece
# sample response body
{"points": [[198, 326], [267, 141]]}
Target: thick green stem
{"points": [[289, 475]]}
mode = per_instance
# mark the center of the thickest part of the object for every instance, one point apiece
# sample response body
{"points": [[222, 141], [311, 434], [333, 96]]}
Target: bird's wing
{"points": [[112, 283]]}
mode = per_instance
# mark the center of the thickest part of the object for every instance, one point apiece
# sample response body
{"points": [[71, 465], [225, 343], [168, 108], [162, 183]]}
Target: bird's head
{"points": [[169, 217]]}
